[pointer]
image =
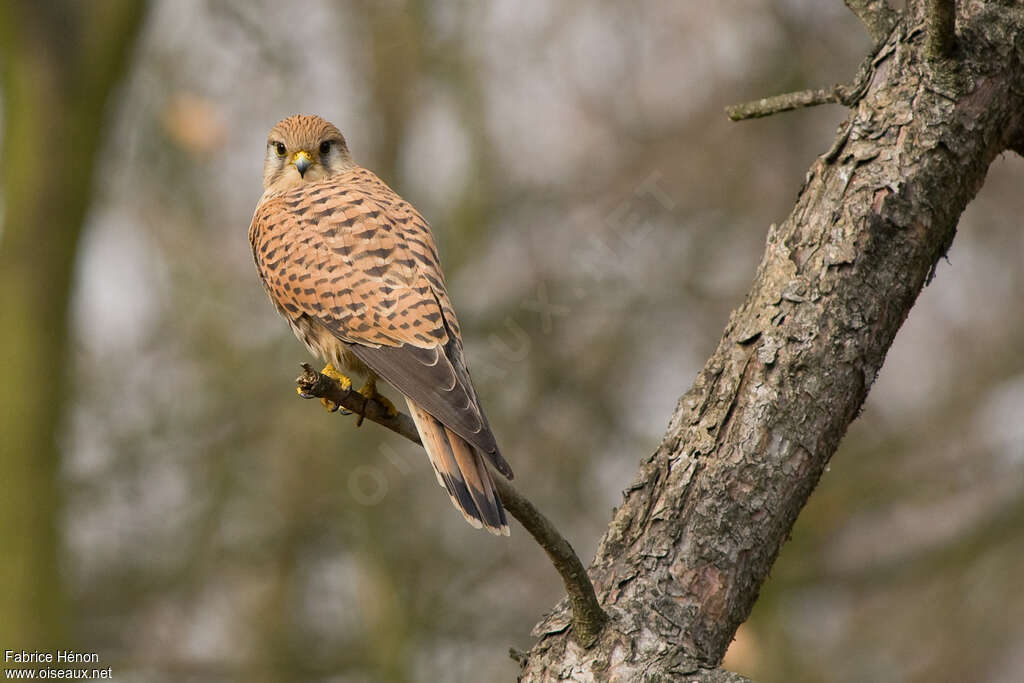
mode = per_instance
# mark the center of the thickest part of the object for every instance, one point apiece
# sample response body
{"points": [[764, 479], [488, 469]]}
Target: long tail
{"points": [[461, 470]]}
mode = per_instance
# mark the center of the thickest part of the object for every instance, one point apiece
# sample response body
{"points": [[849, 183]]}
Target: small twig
{"points": [[940, 17], [766, 106], [588, 617], [877, 16], [846, 95]]}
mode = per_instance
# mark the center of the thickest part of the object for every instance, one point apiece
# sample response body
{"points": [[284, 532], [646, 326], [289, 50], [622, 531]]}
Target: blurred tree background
{"points": [[179, 511]]}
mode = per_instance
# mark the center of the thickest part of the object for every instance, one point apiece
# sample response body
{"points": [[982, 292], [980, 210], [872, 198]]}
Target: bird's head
{"points": [[303, 149]]}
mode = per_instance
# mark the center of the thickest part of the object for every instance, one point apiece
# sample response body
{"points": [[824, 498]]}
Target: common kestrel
{"points": [[353, 268]]}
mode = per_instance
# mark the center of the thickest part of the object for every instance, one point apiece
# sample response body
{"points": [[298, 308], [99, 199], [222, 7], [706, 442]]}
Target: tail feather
{"points": [[462, 472], [478, 481]]}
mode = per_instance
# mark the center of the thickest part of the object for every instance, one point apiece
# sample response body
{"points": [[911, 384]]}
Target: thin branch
{"points": [[588, 617], [940, 16], [877, 16], [846, 95], [766, 106]]}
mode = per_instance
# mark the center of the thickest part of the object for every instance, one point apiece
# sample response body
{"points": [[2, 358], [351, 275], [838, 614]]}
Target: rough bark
{"points": [[878, 17], [684, 556], [60, 61]]}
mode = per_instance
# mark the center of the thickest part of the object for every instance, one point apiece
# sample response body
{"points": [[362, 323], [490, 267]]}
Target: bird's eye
{"points": [[281, 150], [325, 147]]}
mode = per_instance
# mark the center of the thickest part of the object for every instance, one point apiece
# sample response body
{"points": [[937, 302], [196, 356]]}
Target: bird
{"points": [[354, 270]]}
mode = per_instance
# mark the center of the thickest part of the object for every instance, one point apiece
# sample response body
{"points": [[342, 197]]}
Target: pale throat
{"points": [[289, 179]]}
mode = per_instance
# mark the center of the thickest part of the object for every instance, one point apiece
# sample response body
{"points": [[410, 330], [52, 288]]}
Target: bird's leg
{"points": [[343, 380], [369, 392]]}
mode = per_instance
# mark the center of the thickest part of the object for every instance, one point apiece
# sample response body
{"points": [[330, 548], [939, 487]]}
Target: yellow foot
{"points": [[344, 381], [369, 392]]}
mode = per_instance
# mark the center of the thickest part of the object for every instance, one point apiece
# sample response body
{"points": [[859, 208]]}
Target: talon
{"points": [[369, 392], [333, 407], [330, 405]]}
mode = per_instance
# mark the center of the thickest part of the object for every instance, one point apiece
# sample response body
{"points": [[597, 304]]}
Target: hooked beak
{"points": [[302, 161]]}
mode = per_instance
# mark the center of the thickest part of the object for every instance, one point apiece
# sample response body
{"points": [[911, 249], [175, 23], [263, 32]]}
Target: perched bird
{"points": [[353, 269]]}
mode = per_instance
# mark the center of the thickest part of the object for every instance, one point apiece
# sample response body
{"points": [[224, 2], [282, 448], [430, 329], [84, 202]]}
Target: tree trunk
{"points": [[60, 62], [685, 555]]}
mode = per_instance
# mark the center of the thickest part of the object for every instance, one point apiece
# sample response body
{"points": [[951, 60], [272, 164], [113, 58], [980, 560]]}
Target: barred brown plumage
{"points": [[353, 268]]}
